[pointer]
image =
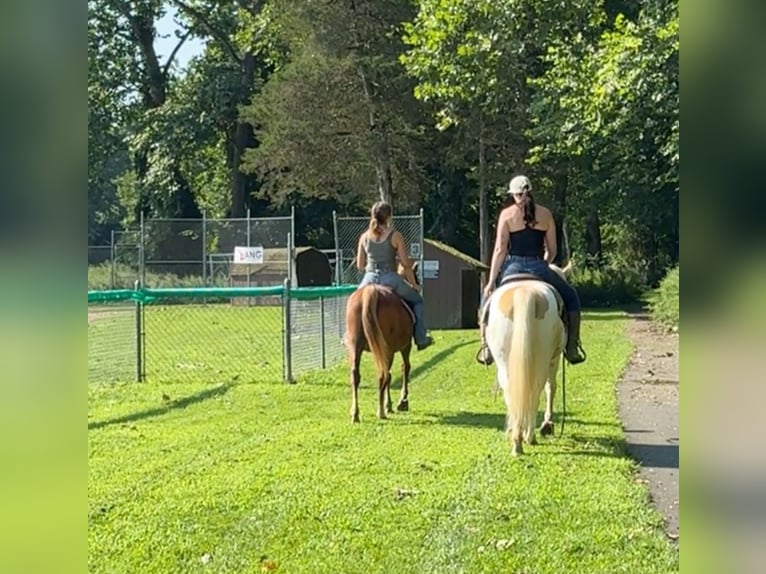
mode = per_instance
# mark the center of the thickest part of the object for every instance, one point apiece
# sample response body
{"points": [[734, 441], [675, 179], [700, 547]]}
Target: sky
{"points": [[164, 46]]}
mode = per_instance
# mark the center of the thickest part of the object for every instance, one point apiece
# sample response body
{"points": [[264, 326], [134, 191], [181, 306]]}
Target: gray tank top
{"points": [[381, 255]]}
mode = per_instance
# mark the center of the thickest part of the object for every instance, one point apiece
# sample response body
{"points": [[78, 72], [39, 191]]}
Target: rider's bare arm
{"points": [[550, 237], [501, 247], [361, 254], [397, 240]]}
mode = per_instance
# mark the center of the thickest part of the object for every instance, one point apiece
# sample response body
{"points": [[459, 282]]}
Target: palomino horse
{"points": [[526, 336], [378, 321]]}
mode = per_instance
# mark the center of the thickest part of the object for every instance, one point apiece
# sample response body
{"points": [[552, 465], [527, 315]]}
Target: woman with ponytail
{"points": [[526, 243], [376, 255]]}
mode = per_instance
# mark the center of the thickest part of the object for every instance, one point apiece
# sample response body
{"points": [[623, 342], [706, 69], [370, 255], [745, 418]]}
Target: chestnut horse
{"points": [[377, 320]]}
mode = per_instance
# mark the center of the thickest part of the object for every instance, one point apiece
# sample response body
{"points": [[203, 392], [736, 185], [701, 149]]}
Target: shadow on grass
{"points": [[437, 358], [470, 419], [654, 455], [324, 378], [166, 408]]}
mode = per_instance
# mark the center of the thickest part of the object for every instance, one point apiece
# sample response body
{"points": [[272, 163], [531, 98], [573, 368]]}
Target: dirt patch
{"points": [[648, 397], [92, 316]]}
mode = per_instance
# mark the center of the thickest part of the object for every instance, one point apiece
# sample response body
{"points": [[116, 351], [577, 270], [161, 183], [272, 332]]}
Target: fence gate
{"points": [[348, 230]]}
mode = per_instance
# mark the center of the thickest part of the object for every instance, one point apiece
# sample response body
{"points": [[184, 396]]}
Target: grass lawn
{"points": [[260, 477]]}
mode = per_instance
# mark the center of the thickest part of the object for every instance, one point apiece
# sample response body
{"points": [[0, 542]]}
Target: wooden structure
{"points": [[451, 286], [311, 268]]}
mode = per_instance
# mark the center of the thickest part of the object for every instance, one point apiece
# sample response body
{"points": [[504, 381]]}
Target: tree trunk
{"points": [[242, 139], [559, 210], [593, 237], [483, 203], [154, 93], [379, 135]]}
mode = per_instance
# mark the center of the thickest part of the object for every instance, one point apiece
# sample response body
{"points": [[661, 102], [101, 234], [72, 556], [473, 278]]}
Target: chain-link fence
{"points": [[212, 342], [209, 335], [112, 341], [317, 328], [192, 253], [348, 230]]}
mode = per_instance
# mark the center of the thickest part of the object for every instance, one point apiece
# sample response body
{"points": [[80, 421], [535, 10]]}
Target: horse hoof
{"points": [[546, 428], [403, 406]]}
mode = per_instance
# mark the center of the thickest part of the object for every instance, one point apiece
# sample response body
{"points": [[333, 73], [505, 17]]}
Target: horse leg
{"points": [[404, 404], [515, 432], [550, 393], [389, 408], [384, 381], [529, 432], [355, 354]]}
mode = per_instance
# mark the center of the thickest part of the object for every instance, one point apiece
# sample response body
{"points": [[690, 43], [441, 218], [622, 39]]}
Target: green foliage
{"points": [[621, 276], [582, 96], [251, 476], [340, 111], [608, 286], [664, 301], [605, 112]]}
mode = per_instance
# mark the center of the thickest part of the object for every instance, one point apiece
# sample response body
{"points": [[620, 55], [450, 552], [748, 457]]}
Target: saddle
{"points": [[484, 311]]}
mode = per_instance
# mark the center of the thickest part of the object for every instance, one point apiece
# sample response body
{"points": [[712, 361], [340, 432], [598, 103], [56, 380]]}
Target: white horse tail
{"points": [[521, 390]]}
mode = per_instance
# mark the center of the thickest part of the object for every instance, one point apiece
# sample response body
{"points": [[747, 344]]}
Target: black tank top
{"points": [[528, 242]]}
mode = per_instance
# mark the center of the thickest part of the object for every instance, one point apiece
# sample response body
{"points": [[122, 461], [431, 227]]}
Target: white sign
{"points": [[248, 254], [415, 250], [430, 269]]}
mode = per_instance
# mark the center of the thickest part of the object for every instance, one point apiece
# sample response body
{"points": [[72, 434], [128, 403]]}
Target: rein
{"points": [[563, 394]]}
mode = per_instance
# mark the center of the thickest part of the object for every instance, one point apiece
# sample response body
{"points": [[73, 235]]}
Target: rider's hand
{"points": [[488, 289]]}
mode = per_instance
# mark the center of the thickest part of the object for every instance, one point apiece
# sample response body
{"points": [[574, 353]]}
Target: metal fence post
{"points": [[290, 256], [338, 262], [113, 277], [142, 253], [249, 301], [204, 248], [322, 337], [139, 338], [287, 344], [422, 257]]}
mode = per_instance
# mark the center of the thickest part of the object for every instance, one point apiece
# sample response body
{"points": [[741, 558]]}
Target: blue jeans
{"points": [[515, 264], [405, 291]]}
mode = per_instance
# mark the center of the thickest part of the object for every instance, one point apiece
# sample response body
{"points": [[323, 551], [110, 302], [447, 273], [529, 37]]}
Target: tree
{"points": [[609, 105], [473, 58], [339, 118]]}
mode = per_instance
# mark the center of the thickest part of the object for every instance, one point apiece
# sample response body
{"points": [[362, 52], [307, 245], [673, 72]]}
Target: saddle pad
{"points": [[484, 311], [403, 302]]}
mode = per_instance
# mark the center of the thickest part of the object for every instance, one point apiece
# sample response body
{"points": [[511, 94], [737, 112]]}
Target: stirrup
{"points": [[427, 343], [581, 352], [484, 356]]}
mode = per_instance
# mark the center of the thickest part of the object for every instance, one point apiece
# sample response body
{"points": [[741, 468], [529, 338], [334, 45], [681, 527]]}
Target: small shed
{"points": [[451, 286]]}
